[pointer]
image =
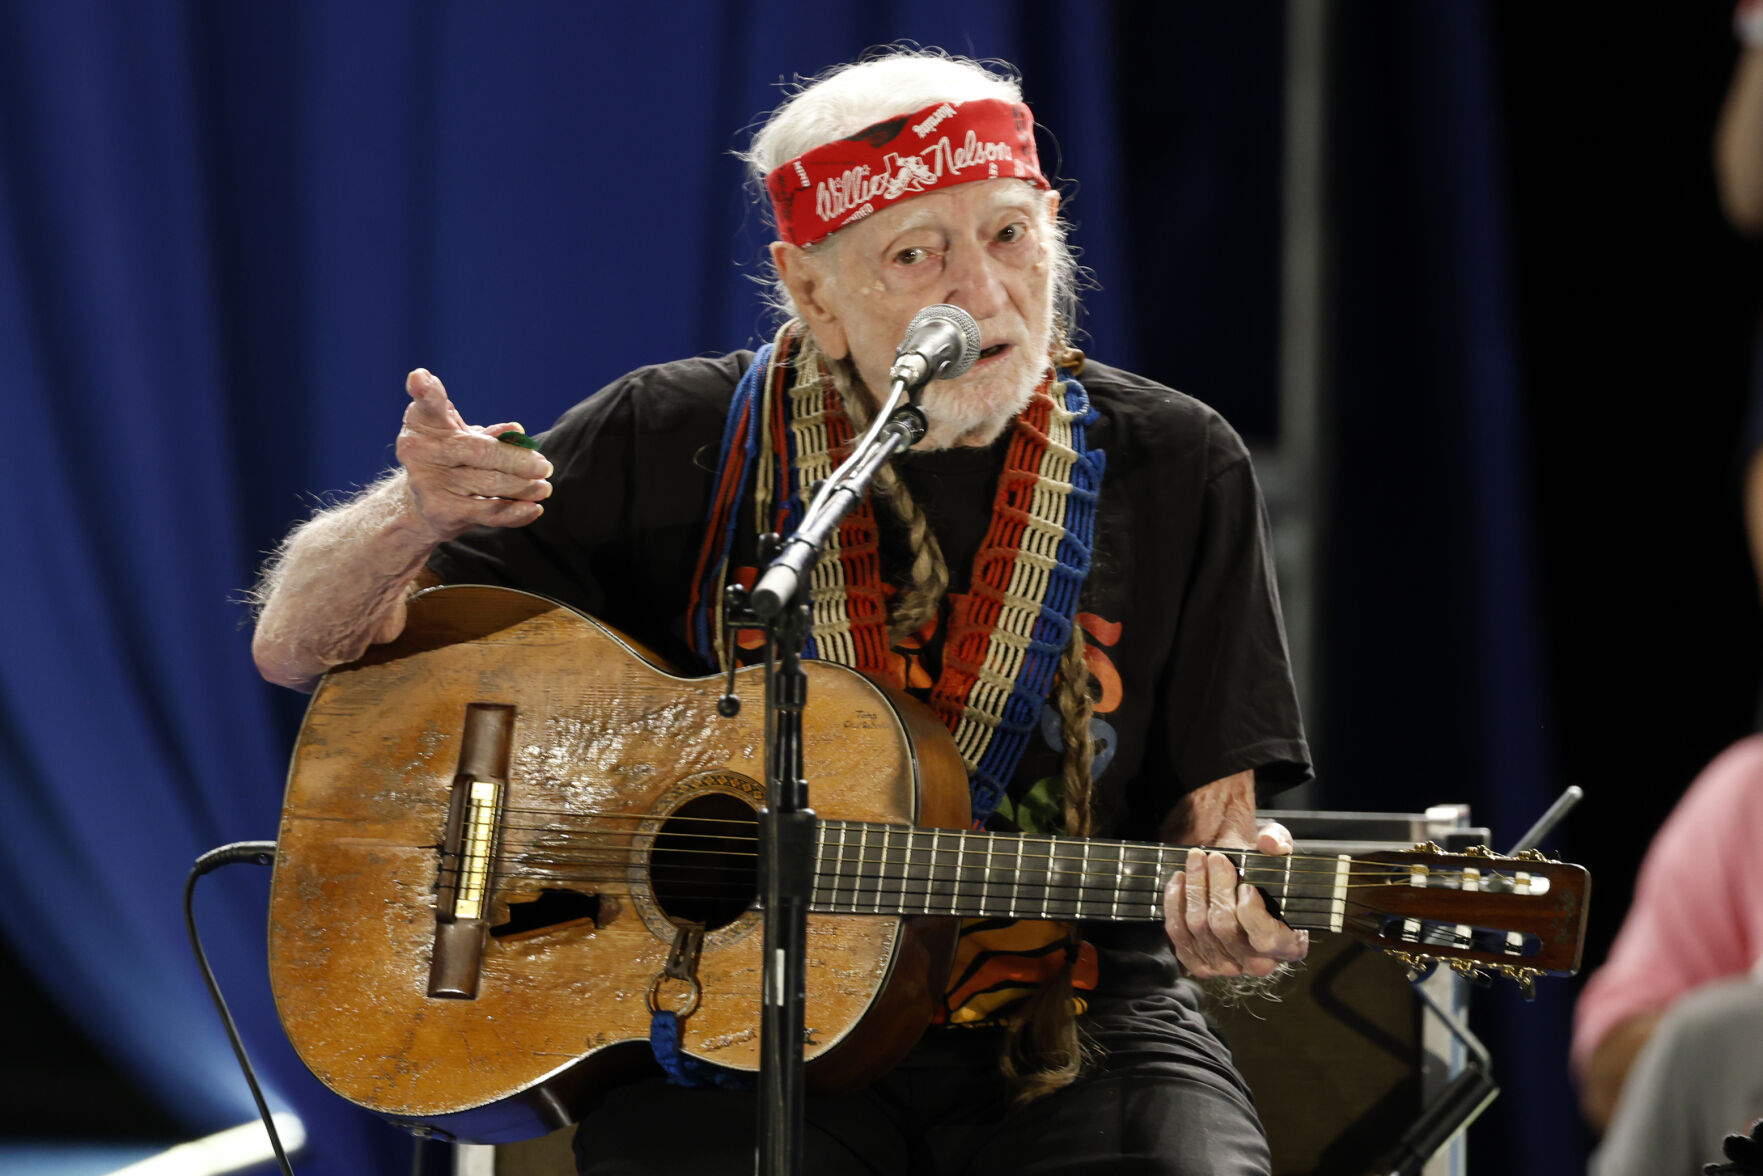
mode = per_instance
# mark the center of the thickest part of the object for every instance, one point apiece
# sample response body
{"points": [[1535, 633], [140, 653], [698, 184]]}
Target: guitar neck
{"points": [[866, 868]]}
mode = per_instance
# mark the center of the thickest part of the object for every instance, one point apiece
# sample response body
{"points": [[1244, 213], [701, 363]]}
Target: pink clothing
{"points": [[1698, 903]]}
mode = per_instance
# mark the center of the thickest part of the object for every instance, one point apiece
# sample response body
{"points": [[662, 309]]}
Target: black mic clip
{"points": [[908, 423]]}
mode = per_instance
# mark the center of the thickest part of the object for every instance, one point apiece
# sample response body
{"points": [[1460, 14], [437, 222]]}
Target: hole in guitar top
{"points": [[704, 865]]}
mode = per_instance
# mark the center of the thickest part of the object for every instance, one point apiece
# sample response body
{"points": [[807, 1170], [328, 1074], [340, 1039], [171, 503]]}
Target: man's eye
{"points": [[1015, 231], [911, 256]]}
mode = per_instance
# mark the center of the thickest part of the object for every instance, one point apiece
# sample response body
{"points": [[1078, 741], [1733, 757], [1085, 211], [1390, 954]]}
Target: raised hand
{"points": [[460, 476]]}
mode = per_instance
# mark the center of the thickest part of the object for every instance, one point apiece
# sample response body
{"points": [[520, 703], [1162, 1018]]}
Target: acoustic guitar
{"points": [[509, 838]]}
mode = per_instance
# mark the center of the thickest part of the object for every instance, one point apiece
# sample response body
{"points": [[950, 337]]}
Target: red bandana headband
{"points": [[947, 143]]}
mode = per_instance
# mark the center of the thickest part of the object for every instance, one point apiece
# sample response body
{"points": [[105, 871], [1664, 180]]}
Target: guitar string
{"points": [[947, 859], [619, 867], [525, 865], [1313, 863], [1369, 920], [1331, 860], [1075, 899]]}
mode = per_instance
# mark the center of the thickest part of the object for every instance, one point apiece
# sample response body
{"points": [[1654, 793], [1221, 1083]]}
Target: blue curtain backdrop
{"points": [[226, 231]]}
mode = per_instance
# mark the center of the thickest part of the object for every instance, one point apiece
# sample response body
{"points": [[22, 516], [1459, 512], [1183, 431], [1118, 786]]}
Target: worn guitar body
{"points": [[509, 839], [488, 1028]]}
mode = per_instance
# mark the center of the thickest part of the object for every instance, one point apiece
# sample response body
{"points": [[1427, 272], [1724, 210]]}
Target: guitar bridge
{"points": [[466, 878]]}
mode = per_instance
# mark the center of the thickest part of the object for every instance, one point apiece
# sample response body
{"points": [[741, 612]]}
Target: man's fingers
{"points": [[1220, 926], [1274, 838], [1197, 913], [430, 407], [1221, 908], [1175, 921], [1267, 935], [454, 514], [509, 513], [474, 482], [482, 451]]}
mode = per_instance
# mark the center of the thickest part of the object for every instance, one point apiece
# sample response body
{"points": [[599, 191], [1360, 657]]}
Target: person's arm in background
{"points": [[1738, 139], [1694, 919], [1738, 173]]}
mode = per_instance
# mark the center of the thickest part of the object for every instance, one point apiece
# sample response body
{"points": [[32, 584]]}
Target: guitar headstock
{"points": [[1477, 912]]}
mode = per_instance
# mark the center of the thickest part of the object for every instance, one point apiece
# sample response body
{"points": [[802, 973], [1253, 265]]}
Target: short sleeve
{"points": [[1228, 700]]}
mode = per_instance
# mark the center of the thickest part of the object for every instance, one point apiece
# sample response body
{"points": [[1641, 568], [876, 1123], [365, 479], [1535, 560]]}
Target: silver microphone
{"points": [[942, 342]]}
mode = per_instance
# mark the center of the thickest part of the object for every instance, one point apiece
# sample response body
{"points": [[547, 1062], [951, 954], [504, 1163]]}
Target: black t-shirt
{"points": [[1180, 607]]}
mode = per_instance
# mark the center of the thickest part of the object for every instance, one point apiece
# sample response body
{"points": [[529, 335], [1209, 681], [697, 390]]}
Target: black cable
{"points": [[263, 853]]}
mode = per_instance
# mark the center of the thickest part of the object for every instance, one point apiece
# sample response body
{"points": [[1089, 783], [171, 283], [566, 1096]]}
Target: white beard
{"points": [[963, 413]]}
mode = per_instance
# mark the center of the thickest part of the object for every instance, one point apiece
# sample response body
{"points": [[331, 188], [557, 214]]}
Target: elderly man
{"points": [[896, 183]]}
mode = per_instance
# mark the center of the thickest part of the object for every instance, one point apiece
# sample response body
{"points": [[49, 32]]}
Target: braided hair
{"points": [[1043, 1050]]}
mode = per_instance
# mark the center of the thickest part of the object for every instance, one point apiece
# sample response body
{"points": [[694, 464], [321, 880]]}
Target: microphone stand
{"points": [[787, 826]]}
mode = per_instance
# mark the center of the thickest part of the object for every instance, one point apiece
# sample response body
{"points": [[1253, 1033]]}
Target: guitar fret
{"points": [[1083, 880], [936, 868], [824, 889], [1119, 879], [955, 890], [905, 868], [1154, 906], [839, 864], [1046, 889], [1016, 878], [881, 867], [862, 865], [985, 882]]}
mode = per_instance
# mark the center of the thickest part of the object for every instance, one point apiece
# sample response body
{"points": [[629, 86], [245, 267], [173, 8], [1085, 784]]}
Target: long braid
{"points": [[1043, 1050], [920, 597], [1075, 708], [917, 602]]}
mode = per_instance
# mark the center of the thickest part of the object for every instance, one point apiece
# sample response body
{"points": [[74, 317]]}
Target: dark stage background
{"points": [[226, 231]]}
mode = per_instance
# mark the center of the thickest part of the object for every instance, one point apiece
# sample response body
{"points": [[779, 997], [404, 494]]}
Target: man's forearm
{"points": [[1738, 146], [1607, 1068], [339, 583]]}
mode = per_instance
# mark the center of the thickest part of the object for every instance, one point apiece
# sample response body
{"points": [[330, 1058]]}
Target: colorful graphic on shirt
{"points": [[1000, 963], [1041, 809]]}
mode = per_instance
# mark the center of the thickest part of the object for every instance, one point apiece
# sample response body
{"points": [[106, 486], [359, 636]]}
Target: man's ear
{"points": [[802, 277]]}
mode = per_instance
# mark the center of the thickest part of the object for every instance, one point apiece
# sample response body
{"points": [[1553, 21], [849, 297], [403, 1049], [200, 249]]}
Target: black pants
{"points": [[1159, 1097]]}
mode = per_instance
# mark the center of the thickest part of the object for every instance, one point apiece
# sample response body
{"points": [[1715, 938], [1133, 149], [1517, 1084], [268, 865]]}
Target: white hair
{"points": [[845, 99]]}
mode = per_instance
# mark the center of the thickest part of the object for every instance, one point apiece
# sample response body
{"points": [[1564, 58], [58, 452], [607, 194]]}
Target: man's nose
{"points": [[975, 280]]}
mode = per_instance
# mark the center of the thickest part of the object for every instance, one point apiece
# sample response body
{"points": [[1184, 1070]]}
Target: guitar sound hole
{"points": [[704, 866]]}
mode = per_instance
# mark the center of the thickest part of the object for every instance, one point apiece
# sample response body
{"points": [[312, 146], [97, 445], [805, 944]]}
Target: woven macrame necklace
{"points": [[787, 430]]}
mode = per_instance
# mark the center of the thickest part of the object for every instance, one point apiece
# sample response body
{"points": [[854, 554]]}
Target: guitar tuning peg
{"points": [[1533, 855], [1431, 847], [1471, 973], [1480, 851], [1525, 978], [1419, 966]]}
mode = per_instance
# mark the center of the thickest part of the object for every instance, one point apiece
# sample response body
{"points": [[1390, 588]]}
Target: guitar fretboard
{"points": [[867, 868]]}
